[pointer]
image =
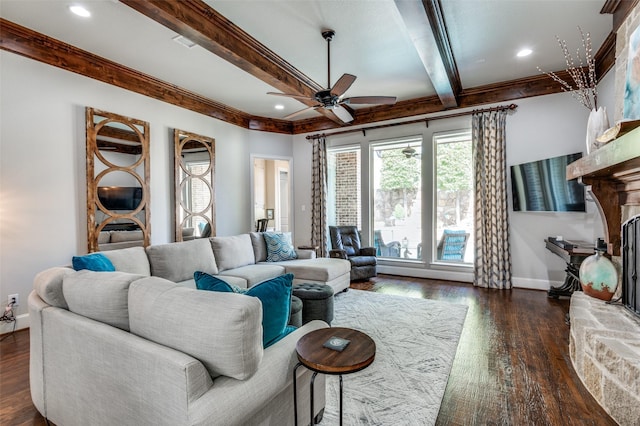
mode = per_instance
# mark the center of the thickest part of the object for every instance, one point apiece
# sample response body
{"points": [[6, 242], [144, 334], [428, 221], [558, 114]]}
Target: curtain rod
{"points": [[510, 107]]}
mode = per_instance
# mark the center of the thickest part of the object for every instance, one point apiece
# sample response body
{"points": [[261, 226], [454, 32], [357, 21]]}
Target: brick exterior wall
{"points": [[348, 188]]}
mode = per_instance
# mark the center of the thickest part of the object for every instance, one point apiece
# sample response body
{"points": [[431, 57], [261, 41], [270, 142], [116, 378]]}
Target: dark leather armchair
{"points": [[345, 243]]}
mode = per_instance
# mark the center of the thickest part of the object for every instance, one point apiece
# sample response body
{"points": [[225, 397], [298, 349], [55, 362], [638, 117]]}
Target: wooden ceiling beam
{"points": [[425, 23], [200, 23], [33, 45], [538, 85]]}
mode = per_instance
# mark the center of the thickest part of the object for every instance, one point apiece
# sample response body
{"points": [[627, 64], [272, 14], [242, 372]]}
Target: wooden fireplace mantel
{"points": [[613, 172]]}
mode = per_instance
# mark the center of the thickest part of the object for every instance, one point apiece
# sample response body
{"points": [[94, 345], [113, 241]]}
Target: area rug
{"points": [[416, 342]]}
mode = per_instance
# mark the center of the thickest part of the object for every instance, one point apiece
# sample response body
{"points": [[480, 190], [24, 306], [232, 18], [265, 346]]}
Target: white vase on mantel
{"points": [[596, 125]]}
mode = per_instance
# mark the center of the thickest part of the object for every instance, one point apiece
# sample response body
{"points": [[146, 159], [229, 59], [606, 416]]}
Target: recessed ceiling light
{"points": [[524, 52], [80, 11], [279, 106]]}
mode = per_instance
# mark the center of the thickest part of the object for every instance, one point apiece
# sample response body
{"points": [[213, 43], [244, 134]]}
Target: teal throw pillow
{"points": [[96, 262], [205, 281], [279, 247], [275, 295], [287, 330]]}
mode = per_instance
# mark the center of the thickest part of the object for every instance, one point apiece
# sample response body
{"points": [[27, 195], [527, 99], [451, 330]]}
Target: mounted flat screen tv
{"points": [[120, 197], [542, 186]]}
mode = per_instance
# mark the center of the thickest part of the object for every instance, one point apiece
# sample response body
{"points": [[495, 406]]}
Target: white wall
{"points": [[42, 166], [542, 127]]}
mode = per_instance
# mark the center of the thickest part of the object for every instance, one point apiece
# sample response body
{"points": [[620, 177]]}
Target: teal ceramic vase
{"points": [[598, 276]]}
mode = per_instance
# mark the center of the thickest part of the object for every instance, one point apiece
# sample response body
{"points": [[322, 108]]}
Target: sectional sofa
{"points": [[142, 346]]}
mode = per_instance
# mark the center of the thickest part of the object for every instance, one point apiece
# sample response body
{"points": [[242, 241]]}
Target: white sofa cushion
{"points": [[178, 261], [132, 260], [221, 330], [48, 285], [232, 252], [101, 296], [318, 269], [252, 274]]}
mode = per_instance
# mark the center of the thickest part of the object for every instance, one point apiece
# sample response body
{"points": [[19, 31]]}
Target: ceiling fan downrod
{"points": [[328, 35]]}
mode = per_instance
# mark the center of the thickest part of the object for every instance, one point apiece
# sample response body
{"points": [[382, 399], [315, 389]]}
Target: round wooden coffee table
{"points": [[357, 355]]}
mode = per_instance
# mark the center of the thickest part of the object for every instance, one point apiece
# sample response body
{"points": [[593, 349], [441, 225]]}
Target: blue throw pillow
{"points": [[279, 247], [205, 281], [275, 295], [97, 262]]}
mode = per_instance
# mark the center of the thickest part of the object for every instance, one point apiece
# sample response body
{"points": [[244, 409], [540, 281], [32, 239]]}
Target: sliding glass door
{"points": [[396, 203], [453, 201]]}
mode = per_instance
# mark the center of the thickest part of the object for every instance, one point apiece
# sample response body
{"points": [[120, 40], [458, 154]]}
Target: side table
{"points": [[573, 260], [358, 354]]}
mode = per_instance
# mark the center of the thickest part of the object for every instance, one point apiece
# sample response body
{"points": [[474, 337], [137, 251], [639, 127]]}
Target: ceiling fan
{"points": [[332, 98]]}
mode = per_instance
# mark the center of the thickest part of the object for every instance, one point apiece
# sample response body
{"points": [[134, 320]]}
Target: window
{"points": [[397, 198], [343, 181], [453, 204]]}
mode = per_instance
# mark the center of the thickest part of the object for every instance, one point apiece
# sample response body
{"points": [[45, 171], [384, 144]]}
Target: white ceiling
{"points": [[371, 42]]}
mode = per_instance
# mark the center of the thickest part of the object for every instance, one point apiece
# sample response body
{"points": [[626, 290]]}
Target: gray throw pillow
{"points": [[232, 252]]}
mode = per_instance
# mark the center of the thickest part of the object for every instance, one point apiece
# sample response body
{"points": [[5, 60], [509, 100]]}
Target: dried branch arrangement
{"points": [[583, 88]]}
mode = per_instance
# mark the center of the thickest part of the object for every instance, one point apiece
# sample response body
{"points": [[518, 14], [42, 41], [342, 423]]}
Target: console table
{"points": [[573, 261]]}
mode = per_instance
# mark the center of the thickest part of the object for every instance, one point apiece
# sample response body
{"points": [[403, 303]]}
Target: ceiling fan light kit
{"points": [[332, 99]]}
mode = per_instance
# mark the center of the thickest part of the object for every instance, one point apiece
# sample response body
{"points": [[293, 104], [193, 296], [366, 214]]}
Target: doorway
{"points": [[271, 193]]}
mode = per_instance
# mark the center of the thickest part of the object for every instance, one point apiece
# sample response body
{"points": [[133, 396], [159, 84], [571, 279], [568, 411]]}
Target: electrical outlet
{"points": [[15, 298]]}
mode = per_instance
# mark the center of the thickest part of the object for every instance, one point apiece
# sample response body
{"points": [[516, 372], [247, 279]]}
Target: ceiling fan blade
{"points": [[371, 100], [342, 113], [289, 95], [293, 114], [343, 84]]}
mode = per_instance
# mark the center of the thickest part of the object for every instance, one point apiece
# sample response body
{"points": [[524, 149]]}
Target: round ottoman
{"points": [[295, 317], [317, 301]]}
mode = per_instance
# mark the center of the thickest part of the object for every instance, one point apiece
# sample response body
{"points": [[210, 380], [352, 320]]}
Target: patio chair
{"points": [[452, 245], [385, 250]]}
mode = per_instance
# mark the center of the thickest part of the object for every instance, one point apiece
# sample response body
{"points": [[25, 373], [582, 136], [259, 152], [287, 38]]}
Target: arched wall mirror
{"points": [[272, 189], [117, 181], [194, 166]]}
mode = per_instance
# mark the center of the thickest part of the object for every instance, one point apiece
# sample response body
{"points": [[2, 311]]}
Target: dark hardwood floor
{"points": [[512, 366]]}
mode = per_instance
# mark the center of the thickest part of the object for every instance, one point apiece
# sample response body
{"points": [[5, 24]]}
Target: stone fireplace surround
{"points": [[604, 341], [604, 345]]}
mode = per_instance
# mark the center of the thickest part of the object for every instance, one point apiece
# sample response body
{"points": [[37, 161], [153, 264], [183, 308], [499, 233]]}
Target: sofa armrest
{"points": [[338, 254], [105, 366], [368, 251], [235, 402], [306, 254]]}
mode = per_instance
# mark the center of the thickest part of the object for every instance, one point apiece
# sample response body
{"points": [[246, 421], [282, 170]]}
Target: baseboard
{"points": [[434, 274], [534, 284], [22, 321], [467, 277]]}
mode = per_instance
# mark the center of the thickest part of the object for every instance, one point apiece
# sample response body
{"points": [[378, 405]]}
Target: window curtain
{"points": [[492, 251], [319, 195]]}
